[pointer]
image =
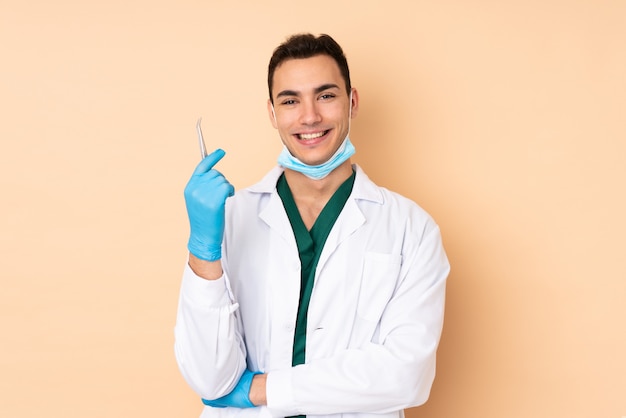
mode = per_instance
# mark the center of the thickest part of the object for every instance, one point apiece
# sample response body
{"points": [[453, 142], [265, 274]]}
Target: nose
{"points": [[310, 114]]}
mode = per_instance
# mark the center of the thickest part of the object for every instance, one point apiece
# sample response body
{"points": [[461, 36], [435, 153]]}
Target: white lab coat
{"points": [[374, 319]]}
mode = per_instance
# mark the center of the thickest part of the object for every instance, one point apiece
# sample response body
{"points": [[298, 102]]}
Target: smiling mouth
{"points": [[308, 137]]}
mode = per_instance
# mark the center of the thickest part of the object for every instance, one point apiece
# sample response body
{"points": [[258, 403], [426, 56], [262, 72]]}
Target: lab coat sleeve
{"points": [[391, 374], [208, 345]]}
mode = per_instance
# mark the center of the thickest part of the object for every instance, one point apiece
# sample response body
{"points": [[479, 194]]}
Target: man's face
{"points": [[312, 107]]}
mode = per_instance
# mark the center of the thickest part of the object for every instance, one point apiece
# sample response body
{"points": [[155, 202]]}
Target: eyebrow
{"points": [[319, 89]]}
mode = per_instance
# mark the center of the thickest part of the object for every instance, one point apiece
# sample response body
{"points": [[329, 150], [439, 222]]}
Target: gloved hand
{"points": [[205, 197], [239, 397]]}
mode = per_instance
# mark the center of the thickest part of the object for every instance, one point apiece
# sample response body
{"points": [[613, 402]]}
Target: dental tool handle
{"points": [[203, 152]]}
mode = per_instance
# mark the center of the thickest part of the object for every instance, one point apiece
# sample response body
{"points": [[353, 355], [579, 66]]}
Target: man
{"points": [[313, 292]]}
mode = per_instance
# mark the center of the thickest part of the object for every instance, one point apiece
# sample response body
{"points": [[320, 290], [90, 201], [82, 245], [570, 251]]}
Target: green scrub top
{"points": [[310, 245]]}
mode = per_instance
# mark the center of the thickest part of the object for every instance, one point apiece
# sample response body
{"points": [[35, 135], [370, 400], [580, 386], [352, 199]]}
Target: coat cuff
{"points": [[200, 292], [279, 393]]}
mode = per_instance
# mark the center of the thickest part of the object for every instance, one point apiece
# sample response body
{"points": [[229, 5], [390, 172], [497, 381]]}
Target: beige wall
{"points": [[505, 120]]}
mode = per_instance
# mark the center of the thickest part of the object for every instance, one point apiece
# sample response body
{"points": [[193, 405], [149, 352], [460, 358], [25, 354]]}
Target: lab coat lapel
{"points": [[350, 219], [273, 214], [275, 217]]}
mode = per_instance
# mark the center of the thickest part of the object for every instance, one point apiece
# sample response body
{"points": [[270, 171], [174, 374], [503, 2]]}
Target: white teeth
{"points": [[312, 136]]}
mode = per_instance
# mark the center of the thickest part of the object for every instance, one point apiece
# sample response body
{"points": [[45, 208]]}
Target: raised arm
{"points": [[209, 346]]}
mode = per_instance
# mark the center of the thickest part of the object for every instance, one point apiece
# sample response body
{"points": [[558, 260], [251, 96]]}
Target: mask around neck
{"points": [[317, 172]]}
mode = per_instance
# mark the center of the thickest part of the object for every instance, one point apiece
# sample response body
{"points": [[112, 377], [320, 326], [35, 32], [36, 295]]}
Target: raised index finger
{"points": [[209, 161]]}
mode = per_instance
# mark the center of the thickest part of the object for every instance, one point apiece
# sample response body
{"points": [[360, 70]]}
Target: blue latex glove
{"points": [[205, 197], [240, 395]]}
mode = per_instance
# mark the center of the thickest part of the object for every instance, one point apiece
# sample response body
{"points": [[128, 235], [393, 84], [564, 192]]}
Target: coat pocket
{"points": [[380, 275]]}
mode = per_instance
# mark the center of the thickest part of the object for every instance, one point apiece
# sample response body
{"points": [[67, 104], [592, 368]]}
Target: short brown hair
{"points": [[307, 45]]}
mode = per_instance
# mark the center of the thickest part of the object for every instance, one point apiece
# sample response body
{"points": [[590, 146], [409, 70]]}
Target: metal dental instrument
{"points": [[203, 152]]}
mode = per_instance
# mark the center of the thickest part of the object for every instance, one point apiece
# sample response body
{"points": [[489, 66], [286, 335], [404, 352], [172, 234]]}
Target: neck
{"points": [[303, 187], [312, 195]]}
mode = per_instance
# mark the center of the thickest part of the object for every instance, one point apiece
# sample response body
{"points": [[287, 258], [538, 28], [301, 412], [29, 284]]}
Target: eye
{"points": [[288, 102], [327, 96]]}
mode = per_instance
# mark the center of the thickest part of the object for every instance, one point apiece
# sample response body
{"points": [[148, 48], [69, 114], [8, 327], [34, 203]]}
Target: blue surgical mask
{"points": [[318, 172]]}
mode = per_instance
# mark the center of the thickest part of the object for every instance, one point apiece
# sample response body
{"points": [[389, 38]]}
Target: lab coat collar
{"points": [[352, 217]]}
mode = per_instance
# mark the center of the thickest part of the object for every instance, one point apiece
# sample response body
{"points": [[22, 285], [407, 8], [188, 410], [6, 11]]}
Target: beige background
{"points": [[505, 120]]}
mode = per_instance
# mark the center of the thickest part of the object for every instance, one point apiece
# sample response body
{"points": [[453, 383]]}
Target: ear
{"points": [[355, 102], [271, 113]]}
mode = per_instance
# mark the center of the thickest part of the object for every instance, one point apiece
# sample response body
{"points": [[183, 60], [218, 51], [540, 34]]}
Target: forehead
{"points": [[303, 74]]}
